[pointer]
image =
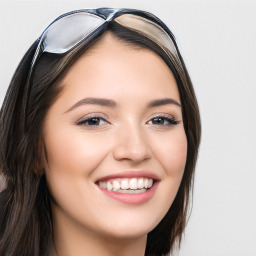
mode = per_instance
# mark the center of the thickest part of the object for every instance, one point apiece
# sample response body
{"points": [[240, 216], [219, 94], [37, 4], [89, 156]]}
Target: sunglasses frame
{"points": [[162, 35]]}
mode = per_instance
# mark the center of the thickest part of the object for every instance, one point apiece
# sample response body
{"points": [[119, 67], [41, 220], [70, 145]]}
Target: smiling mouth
{"points": [[127, 185]]}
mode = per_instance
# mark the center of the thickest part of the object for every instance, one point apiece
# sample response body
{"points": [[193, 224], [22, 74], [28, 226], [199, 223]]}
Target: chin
{"points": [[130, 229], [127, 234]]}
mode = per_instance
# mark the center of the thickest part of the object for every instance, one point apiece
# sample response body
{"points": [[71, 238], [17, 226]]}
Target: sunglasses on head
{"points": [[76, 27]]}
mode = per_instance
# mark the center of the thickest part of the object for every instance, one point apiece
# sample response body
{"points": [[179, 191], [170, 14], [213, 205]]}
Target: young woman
{"points": [[99, 138]]}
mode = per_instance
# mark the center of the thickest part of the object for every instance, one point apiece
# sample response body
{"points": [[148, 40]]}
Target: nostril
{"points": [[126, 152]]}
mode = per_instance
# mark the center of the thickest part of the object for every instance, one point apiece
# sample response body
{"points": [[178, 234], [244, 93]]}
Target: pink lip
{"points": [[127, 197], [131, 174], [131, 198]]}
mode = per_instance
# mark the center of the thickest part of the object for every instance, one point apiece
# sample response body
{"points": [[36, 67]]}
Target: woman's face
{"points": [[115, 129]]}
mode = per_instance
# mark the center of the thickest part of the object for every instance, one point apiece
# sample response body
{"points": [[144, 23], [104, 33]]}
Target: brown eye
{"points": [[158, 120], [93, 121], [161, 120]]}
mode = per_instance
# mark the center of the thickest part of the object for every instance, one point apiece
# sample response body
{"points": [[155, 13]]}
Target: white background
{"points": [[218, 42]]}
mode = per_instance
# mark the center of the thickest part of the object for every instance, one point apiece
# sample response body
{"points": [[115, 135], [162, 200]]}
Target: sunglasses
{"points": [[81, 26]]}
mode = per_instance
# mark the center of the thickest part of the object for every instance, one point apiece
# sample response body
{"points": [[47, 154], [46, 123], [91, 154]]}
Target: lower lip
{"points": [[132, 198]]}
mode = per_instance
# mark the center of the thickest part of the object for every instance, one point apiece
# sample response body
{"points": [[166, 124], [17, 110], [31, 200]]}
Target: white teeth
{"points": [[146, 183], [150, 183], [125, 184], [116, 185], [133, 183], [109, 186], [141, 183], [103, 184]]}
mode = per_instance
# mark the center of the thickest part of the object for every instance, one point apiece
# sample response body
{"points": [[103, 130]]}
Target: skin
{"points": [[86, 221]]}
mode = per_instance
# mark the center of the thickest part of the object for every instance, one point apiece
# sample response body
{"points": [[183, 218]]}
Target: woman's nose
{"points": [[131, 144]]}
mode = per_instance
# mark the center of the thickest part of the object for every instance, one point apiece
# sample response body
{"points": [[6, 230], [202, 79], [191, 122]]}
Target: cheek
{"points": [[72, 156], [170, 151], [172, 154], [72, 151]]}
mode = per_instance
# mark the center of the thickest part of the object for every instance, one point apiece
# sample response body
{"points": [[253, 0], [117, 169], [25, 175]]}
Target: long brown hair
{"points": [[25, 211]]}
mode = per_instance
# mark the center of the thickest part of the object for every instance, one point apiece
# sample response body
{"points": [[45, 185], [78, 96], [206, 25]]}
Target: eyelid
{"points": [[106, 118], [83, 120], [168, 117], [161, 115], [93, 115]]}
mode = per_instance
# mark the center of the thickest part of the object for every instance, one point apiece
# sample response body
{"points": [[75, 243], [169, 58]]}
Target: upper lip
{"points": [[131, 174]]}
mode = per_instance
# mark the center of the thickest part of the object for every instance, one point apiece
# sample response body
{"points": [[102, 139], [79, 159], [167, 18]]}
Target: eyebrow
{"points": [[113, 104], [94, 101], [161, 102]]}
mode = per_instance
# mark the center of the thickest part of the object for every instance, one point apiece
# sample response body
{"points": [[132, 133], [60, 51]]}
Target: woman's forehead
{"points": [[112, 65]]}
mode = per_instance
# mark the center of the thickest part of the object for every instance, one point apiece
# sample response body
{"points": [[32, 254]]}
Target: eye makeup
{"points": [[97, 119], [93, 120], [162, 119]]}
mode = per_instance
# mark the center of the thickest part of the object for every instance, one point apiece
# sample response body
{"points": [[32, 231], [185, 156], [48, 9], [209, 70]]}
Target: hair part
{"points": [[25, 215]]}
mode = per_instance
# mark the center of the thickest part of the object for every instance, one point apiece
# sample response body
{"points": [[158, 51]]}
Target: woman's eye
{"points": [[93, 121], [165, 121]]}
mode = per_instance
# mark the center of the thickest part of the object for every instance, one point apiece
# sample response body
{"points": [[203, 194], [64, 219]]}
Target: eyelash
{"points": [[171, 121], [97, 116]]}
